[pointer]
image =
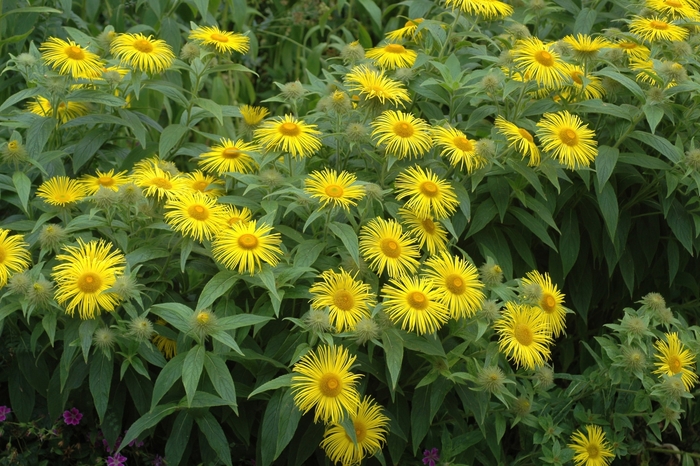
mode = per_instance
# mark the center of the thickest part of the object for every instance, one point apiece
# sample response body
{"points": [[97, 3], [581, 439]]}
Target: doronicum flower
{"points": [[656, 28], [591, 449], [347, 298], [159, 183], [233, 216], [252, 116], [205, 184], [584, 46], [427, 194], [583, 87], [523, 335], [673, 358], [203, 323], [489, 9], [69, 58], [61, 191], [460, 150], [426, 230], [338, 190], [392, 56], [408, 31], [375, 84], [195, 215], [405, 136], [289, 134], [520, 138], [64, 112], [569, 140], [633, 50], [457, 282], [385, 246], [539, 62], [14, 255], [550, 302], [246, 245], [229, 156], [675, 8], [415, 304], [223, 41], [143, 53], [108, 180]]}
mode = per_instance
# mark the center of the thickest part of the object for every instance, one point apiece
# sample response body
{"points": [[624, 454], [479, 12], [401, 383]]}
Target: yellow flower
{"points": [[159, 183], [167, 346], [370, 432], [656, 28], [329, 187], [645, 71], [326, 383], [253, 115], [415, 304], [428, 195], [195, 214], [458, 148], [675, 8], [156, 162], [229, 156], [83, 276], [568, 139], [70, 58], [61, 190], [405, 136], [551, 302], [233, 216], [224, 41], [392, 56], [384, 245], [523, 335], [486, 8], [428, 232], [143, 53], [457, 282], [246, 245], [633, 50], [14, 255], [289, 134], [107, 180], [65, 111], [348, 299], [591, 450], [376, 85], [593, 88], [520, 138], [537, 61], [408, 31], [674, 359], [584, 46], [205, 184]]}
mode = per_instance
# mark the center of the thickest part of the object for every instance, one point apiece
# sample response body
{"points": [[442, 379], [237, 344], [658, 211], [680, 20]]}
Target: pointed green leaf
{"points": [[192, 370]]}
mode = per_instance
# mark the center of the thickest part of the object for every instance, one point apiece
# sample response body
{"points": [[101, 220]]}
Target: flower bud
{"points": [[491, 379], [19, 283], [203, 323], [141, 328], [292, 91], [318, 321], [13, 152], [366, 330], [189, 51], [104, 338], [352, 52], [491, 273], [41, 293]]}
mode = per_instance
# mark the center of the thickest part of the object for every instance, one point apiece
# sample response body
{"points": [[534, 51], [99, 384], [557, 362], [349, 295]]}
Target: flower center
{"points": [[289, 129], [593, 452], [428, 226], [463, 144], [74, 52], [333, 190], [106, 181], [628, 45], [247, 241], [674, 364], [548, 303], [233, 220], [429, 189], [417, 300], [526, 135], [576, 77], [203, 317], [330, 385], [544, 58], [143, 46], [198, 212], [395, 48], [390, 248], [161, 183], [403, 129], [12, 145], [659, 25], [360, 431], [455, 283], [523, 334], [569, 137], [377, 90], [89, 282], [343, 300], [673, 3], [200, 185], [219, 37], [231, 153]]}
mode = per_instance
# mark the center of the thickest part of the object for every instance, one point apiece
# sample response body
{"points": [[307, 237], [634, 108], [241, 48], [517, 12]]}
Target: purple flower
{"points": [[116, 460], [4, 411], [430, 457], [158, 461], [72, 417]]}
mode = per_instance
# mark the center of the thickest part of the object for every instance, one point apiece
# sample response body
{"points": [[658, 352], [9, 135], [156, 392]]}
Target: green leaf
{"points": [[349, 238], [673, 260], [267, 277], [179, 437], [420, 416], [607, 203], [681, 223], [88, 146], [220, 377], [569, 242], [23, 185], [627, 270], [632, 86], [214, 434], [170, 137], [134, 124], [532, 224], [289, 416], [167, 378], [393, 348], [211, 107], [585, 20], [463, 198], [216, 287], [20, 96], [192, 370], [486, 211], [654, 115], [240, 320], [281, 381], [660, 144], [86, 331], [38, 135], [101, 370], [374, 12], [605, 108], [95, 97], [605, 163], [176, 314], [202, 7], [147, 421]]}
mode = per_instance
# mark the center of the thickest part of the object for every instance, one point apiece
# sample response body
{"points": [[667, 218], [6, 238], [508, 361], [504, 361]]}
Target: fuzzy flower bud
{"points": [[485, 148], [352, 52], [356, 132], [544, 377], [519, 31], [692, 159], [634, 326], [13, 152], [130, 194], [292, 91], [19, 284], [491, 310], [537, 5], [126, 287], [366, 329], [530, 293], [374, 191], [56, 85], [404, 74], [491, 83], [271, 178], [41, 293], [680, 48], [318, 321], [340, 102], [141, 328], [189, 51], [105, 198], [52, 237], [491, 273], [112, 77], [655, 95], [491, 379], [521, 406], [104, 338], [672, 71], [672, 387], [105, 38], [633, 358], [203, 323], [654, 302], [26, 60]]}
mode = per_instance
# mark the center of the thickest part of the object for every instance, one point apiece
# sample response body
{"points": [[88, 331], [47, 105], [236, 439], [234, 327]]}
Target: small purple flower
{"points": [[158, 461], [4, 411], [72, 417], [116, 460], [431, 457]]}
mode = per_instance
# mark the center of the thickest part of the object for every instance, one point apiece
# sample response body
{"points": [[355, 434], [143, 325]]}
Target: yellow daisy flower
{"points": [[83, 275], [657, 28], [229, 156], [405, 136], [61, 190], [371, 428], [523, 335], [520, 138], [143, 53], [289, 134], [675, 8], [458, 148], [674, 359], [570, 141], [64, 112], [14, 255], [195, 214], [376, 85], [428, 195], [159, 183], [457, 282], [385, 246], [233, 216], [224, 41], [551, 302], [205, 184], [392, 56], [593, 88], [69, 58], [539, 62], [586, 47], [415, 304], [156, 162], [348, 299], [408, 31], [253, 115], [338, 190], [633, 50], [107, 180], [491, 9], [591, 449], [246, 245], [427, 231], [326, 383], [167, 346]]}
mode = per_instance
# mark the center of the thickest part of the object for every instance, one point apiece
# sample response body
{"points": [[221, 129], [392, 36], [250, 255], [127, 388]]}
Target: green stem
{"points": [[449, 34]]}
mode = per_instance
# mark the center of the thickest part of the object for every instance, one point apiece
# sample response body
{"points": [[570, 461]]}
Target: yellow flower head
{"points": [[83, 276], [233, 216], [537, 61], [224, 41], [633, 50], [674, 359], [551, 302], [385, 246], [408, 31], [460, 150], [195, 214], [246, 245], [143, 53], [490, 9], [415, 304], [159, 183], [253, 115], [324, 382], [583, 87], [405, 136], [656, 28], [520, 138], [392, 56], [426, 230], [376, 85], [585, 46], [205, 184], [591, 449], [289, 134], [61, 190], [229, 156], [523, 335], [14, 255], [675, 8], [70, 58], [457, 282], [64, 112], [427, 194], [348, 299], [569, 140], [107, 180], [338, 190]]}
